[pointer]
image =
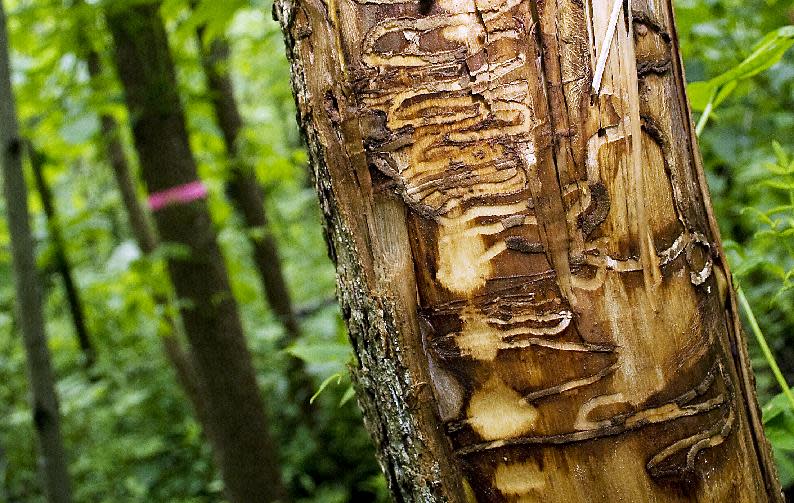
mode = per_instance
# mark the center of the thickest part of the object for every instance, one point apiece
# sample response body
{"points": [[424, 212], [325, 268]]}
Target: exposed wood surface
{"points": [[528, 263]]}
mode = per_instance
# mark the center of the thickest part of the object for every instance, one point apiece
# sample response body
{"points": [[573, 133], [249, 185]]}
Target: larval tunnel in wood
{"points": [[527, 259]]}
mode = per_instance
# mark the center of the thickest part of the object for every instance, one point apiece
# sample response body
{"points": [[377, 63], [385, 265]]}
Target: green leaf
{"points": [[213, 17], [780, 169], [323, 352], [326, 382], [725, 92], [780, 153], [764, 55], [775, 407], [781, 184], [148, 447], [349, 394], [779, 428], [785, 467], [700, 94]]}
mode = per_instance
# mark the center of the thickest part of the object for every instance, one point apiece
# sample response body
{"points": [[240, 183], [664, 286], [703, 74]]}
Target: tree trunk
{"points": [[239, 429], [528, 263], [147, 240], [247, 194], [37, 162], [3, 475], [141, 226], [44, 401], [248, 198]]}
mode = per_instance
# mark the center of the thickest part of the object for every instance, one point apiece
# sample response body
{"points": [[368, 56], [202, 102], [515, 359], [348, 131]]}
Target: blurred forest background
{"points": [[129, 430]]}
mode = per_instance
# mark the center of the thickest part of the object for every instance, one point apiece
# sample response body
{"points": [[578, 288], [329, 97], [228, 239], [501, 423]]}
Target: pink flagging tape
{"points": [[181, 194]]}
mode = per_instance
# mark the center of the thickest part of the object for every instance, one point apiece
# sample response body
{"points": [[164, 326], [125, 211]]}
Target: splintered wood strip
{"points": [[606, 45]]}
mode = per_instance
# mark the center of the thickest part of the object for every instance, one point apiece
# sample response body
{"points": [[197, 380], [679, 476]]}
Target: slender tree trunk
{"points": [[37, 162], [146, 237], [147, 240], [527, 258], [247, 194], [238, 425], [141, 226], [248, 198], [44, 401]]}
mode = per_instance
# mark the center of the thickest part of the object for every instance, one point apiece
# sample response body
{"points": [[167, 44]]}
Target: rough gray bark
{"points": [[237, 426], [528, 264], [44, 401]]}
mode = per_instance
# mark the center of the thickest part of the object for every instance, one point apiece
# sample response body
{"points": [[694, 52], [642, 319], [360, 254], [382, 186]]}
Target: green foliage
{"points": [[213, 16], [774, 235], [128, 427], [779, 426], [774, 226], [763, 56]]}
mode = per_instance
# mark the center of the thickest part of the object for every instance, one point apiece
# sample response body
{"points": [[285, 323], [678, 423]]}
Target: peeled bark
{"points": [[237, 423], [528, 262], [44, 400], [37, 161]]}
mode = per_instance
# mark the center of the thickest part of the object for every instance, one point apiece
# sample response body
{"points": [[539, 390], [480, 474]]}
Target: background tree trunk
{"points": [[3, 474], [247, 194], [239, 429], [37, 162], [528, 262], [44, 401], [147, 239], [248, 198], [141, 226]]}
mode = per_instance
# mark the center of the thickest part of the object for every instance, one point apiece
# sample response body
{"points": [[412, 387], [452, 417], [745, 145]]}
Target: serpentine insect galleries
{"points": [[528, 264]]}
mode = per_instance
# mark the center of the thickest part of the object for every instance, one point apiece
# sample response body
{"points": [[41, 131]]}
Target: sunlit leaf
{"points": [[763, 56]]}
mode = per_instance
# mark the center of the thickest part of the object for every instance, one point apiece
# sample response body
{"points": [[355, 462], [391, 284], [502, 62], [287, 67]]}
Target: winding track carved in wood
{"points": [[522, 352]]}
